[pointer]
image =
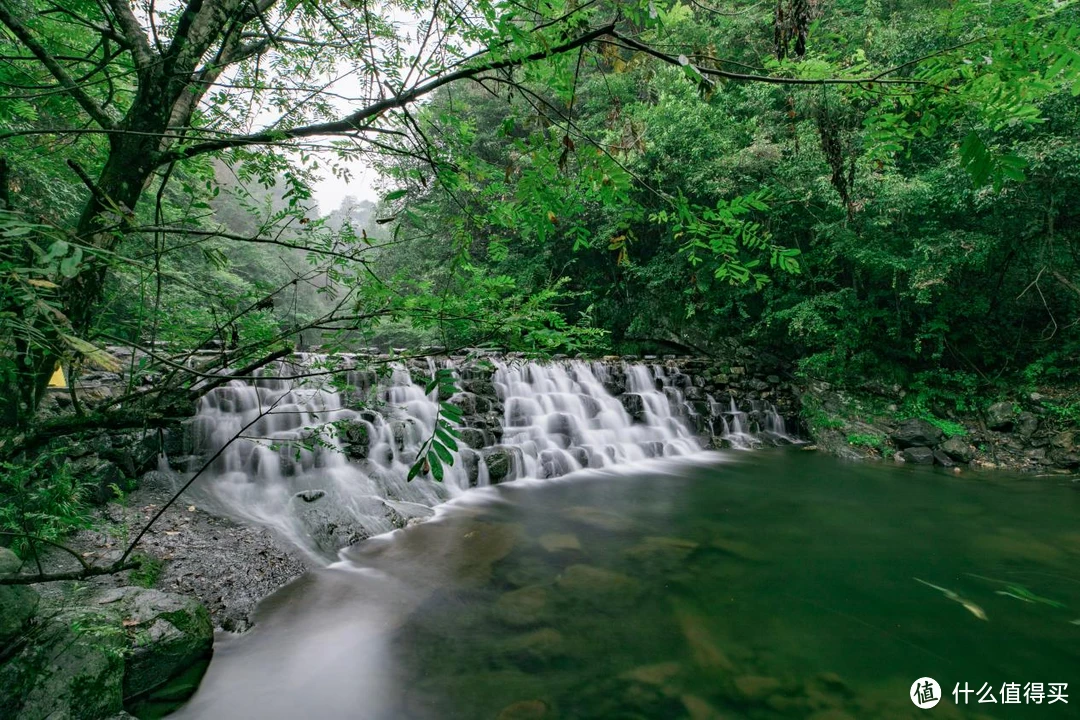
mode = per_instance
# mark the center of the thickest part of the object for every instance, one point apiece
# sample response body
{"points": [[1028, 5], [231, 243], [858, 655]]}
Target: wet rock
{"points": [[472, 437], [958, 449], [330, 525], [168, 632], [560, 542], [634, 405], [500, 463], [525, 606], [466, 402], [18, 603], [943, 459], [918, 455], [355, 438], [738, 548], [310, 496], [916, 432], [1000, 416]]}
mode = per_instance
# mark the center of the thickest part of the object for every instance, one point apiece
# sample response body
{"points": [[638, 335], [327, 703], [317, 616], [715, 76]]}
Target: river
{"points": [[779, 583]]}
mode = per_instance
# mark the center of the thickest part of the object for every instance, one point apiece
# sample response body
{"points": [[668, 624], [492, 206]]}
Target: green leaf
{"points": [[436, 465], [395, 195], [442, 451], [446, 439]]}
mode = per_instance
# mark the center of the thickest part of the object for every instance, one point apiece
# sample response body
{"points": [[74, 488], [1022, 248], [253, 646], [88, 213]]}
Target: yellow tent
{"points": [[58, 380]]}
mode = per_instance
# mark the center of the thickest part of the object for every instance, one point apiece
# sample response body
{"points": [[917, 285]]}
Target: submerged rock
{"points": [[591, 581], [559, 542], [525, 710], [525, 606], [598, 518]]}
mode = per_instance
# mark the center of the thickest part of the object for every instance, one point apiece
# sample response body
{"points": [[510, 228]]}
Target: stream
{"points": [[771, 584]]}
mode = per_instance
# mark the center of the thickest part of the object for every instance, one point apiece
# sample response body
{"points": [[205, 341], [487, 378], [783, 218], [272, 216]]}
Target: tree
{"points": [[145, 92]]}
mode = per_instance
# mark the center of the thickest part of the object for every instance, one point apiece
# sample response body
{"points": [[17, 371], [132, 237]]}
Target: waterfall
{"points": [[325, 463], [747, 430]]}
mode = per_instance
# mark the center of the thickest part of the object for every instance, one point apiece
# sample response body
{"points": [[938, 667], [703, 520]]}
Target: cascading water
{"points": [[560, 418], [327, 466]]}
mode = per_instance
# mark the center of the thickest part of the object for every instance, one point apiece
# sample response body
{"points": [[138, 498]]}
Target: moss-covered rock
{"points": [[167, 633], [71, 667], [17, 602]]}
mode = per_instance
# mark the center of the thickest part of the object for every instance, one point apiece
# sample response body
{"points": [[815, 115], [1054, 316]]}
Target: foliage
{"points": [[43, 498]]}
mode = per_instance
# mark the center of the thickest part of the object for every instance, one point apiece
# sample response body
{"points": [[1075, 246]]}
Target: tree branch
{"points": [[87, 103], [353, 122], [136, 39]]}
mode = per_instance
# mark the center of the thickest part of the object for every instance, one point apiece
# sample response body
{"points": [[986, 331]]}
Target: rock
{"points": [[700, 709], [500, 463], [958, 449], [71, 668], [598, 518], [941, 458], [658, 674], [916, 432], [100, 476], [999, 416], [756, 687], [310, 496], [587, 580], [170, 632], [355, 438], [634, 405], [525, 606], [525, 710], [1064, 441], [536, 649], [330, 523], [18, 603], [703, 648], [918, 455], [559, 542], [473, 437], [1026, 425]]}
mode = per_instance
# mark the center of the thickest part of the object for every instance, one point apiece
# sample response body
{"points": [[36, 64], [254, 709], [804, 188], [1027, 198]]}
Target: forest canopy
{"points": [[869, 188]]}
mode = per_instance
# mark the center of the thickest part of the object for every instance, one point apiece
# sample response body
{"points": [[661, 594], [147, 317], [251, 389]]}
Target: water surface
{"points": [[773, 584]]}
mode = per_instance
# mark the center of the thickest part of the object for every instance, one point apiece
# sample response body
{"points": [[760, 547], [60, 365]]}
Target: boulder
{"points": [[71, 668], [916, 432], [355, 438], [918, 455], [1064, 441], [18, 603], [634, 405], [1026, 425], [943, 459], [100, 476], [168, 633], [957, 449], [472, 437], [1000, 416], [500, 463]]}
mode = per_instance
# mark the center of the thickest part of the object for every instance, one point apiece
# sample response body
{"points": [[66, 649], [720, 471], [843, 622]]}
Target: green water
{"points": [[776, 584]]}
